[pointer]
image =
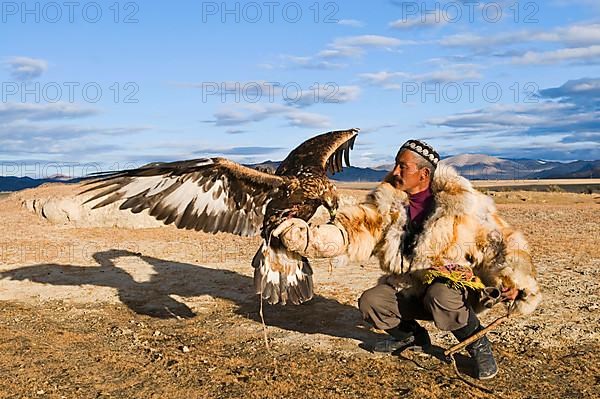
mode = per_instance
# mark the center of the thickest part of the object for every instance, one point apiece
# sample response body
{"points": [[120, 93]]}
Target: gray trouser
{"points": [[383, 307]]}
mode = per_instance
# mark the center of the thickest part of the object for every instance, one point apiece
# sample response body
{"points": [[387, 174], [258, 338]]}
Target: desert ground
{"points": [[115, 312]]}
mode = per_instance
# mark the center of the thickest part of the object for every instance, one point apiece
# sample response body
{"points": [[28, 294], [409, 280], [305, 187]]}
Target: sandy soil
{"points": [[164, 313]]}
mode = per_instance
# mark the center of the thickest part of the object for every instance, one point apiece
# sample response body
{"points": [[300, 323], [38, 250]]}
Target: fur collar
{"points": [[455, 194]]}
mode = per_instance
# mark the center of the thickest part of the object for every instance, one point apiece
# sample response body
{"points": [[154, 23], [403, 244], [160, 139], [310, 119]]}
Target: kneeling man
{"points": [[440, 242]]}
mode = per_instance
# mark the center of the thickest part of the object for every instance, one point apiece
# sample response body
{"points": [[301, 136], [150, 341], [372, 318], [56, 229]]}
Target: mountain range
{"points": [[472, 166], [485, 167], [13, 183]]}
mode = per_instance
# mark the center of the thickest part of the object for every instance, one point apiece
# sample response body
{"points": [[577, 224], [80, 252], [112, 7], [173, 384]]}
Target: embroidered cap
{"points": [[423, 149]]}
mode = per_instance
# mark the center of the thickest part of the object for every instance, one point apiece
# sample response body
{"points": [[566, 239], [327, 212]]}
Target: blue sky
{"points": [[119, 84]]}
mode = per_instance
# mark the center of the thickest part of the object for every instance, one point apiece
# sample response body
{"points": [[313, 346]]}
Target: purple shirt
{"points": [[420, 204]]}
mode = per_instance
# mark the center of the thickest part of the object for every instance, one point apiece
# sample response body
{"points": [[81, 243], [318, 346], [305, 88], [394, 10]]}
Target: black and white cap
{"points": [[423, 149]]}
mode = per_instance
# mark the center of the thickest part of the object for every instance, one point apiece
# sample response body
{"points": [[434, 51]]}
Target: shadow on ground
{"points": [[154, 297]]}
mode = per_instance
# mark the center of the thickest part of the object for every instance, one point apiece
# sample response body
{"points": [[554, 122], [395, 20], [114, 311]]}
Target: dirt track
{"points": [[163, 313]]}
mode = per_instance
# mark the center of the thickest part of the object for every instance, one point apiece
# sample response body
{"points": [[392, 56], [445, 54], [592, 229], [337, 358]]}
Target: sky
{"points": [[96, 86]]}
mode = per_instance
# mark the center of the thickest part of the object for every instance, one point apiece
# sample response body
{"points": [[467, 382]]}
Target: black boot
{"points": [[480, 350], [408, 334]]}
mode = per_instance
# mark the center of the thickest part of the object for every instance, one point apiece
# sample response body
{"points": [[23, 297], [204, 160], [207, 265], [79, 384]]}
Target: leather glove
{"points": [[293, 234]]}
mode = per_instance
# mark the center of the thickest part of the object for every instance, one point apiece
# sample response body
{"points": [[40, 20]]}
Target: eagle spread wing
{"points": [[210, 195], [324, 151], [218, 195]]}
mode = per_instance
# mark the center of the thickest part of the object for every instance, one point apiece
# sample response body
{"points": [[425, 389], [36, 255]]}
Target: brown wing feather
{"points": [[323, 152], [209, 195]]}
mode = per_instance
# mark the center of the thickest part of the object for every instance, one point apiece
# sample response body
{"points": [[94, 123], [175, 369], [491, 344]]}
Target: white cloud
{"points": [[41, 139], [38, 146], [473, 40], [437, 18], [556, 122], [246, 114], [235, 131], [249, 91], [451, 73], [583, 91], [307, 119], [346, 47], [351, 22], [591, 53], [377, 128], [245, 150], [499, 117], [369, 41], [52, 132], [578, 35], [311, 63], [385, 79], [25, 68], [10, 112], [327, 94], [261, 91], [340, 52]]}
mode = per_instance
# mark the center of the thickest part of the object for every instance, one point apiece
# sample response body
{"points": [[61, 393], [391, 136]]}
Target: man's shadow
{"points": [[154, 296]]}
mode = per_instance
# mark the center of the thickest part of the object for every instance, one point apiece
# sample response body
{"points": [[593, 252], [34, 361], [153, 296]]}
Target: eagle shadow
{"points": [[154, 296]]}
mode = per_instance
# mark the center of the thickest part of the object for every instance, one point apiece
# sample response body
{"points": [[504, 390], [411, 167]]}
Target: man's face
{"points": [[406, 175]]}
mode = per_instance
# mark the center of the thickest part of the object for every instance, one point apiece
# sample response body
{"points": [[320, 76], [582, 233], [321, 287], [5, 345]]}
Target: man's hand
{"points": [[509, 294], [396, 281], [293, 234]]}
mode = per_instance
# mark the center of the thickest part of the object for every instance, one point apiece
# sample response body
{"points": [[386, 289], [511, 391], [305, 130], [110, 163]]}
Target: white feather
{"points": [[140, 185], [205, 162], [162, 185]]}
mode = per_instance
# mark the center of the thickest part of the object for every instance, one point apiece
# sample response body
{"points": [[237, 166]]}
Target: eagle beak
{"points": [[331, 207], [332, 213]]}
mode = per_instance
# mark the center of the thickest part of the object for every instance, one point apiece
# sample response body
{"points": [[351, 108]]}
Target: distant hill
{"points": [[12, 183], [577, 169], [352, 173], [472, 166], [267, 166], [485, 167], [359, 174]]}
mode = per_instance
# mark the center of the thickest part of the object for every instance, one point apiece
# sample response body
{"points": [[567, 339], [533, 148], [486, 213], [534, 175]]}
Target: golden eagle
{"points": [[219, 195]]}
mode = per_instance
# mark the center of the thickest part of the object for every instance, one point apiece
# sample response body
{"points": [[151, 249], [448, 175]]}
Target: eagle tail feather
{"points": [[275, 285]]}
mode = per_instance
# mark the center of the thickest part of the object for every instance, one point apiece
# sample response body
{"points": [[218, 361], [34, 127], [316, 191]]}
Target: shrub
{"points": [[554, 188]]}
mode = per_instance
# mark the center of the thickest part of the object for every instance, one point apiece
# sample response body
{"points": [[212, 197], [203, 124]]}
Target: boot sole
{"points": [[488, 377]]}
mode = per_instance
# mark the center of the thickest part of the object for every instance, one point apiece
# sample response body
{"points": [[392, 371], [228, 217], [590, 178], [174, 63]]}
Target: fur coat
{"points": [[463, 228]]}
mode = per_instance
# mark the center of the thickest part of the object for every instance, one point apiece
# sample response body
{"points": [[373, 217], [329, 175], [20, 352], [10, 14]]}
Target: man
{"points": [[440, 243]]}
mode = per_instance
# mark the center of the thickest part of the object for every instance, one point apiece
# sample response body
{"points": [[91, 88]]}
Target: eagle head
{"points": [[319, 191]]}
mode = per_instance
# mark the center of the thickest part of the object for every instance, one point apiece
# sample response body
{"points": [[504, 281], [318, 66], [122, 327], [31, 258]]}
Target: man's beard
{"points": [[397, 183]]}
